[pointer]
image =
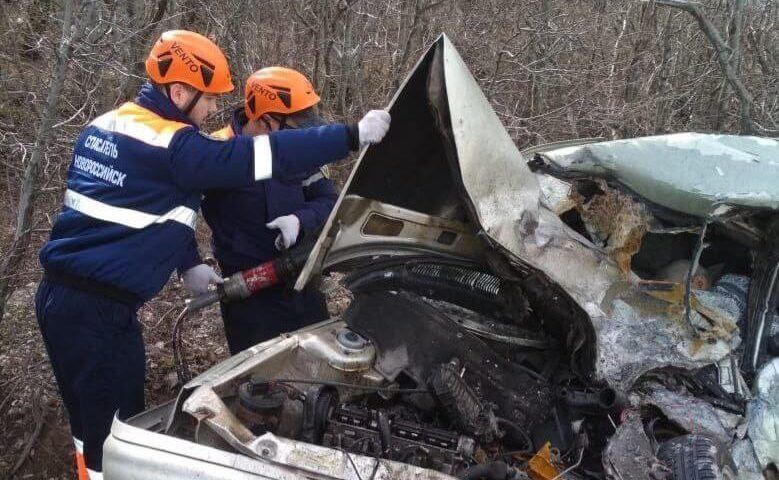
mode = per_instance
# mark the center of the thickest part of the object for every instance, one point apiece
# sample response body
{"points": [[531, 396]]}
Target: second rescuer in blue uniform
{"points": [[133, 191], [252, 224]]}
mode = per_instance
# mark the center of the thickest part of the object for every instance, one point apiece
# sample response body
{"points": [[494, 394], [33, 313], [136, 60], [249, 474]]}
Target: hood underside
{"points": [[447, 167]]}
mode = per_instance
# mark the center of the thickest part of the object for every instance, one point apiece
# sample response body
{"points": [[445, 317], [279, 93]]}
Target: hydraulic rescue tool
{"points": [[245, 283], [239, 286]]}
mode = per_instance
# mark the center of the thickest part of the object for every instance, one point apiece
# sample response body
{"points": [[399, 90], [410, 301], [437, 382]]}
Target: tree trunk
{"points": [[661, 87], [29, 190]]}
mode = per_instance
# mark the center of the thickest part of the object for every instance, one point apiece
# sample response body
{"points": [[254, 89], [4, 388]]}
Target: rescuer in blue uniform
{"points": [[250, 225], [133, 191]]}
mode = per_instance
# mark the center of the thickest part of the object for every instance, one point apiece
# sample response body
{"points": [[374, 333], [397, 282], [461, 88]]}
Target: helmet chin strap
{"points": [[282, 122], [192, 102], [188, 109], [267, 124]]}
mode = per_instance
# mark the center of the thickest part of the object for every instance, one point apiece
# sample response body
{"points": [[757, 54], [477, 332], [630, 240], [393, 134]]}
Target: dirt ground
{"points": [[35, 441]]}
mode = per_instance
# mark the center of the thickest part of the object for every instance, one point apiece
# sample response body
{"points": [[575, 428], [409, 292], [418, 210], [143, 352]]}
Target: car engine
{"points": [[387, 428]]}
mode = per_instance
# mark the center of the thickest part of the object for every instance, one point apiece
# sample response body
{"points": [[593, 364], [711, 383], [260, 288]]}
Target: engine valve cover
{"points": [[384, 434]]}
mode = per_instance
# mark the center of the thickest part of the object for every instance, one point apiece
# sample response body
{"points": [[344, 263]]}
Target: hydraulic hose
{"points": [[237, 287], [182, 369]]}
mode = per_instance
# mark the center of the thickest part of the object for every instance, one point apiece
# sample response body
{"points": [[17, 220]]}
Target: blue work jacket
{"points": [[237, 216], [135, 182]]}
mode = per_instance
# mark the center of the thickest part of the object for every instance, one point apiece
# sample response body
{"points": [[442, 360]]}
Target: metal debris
{"points": [[687, 411], [615, 221], [629, 455], [763, 414]]}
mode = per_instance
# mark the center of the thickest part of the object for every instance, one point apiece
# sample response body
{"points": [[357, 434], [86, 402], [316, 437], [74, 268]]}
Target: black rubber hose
{"points": [[487, 471], [522, 433], [182, 369], [600, 400]]}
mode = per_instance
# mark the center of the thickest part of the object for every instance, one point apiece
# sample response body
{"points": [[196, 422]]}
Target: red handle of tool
{"points": [[260, 277], [247, 282]]}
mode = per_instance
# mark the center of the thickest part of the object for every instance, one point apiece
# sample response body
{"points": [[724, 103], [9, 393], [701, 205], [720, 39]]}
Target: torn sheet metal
{"points": [[639, 333], [209, 409], [629, 453], [685, 172], [763, 414], [555, 194], [692, 414], [616, 222], [729, 377], [743, 454], [499, 185]]}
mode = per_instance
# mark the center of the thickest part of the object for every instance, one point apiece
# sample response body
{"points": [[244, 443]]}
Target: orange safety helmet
{"points": [[278, 90], [190, 58]]}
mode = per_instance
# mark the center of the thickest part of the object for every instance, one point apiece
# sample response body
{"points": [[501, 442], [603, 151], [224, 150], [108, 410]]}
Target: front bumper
{"points": [[133, 453]]}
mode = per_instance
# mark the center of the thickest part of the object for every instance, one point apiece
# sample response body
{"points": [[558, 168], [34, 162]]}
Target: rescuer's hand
{"points": [[373, 127], [198, 278], [289, 225]]}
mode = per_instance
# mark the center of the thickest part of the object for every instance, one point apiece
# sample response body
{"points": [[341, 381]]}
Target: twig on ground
{"points": [[40, 421]]}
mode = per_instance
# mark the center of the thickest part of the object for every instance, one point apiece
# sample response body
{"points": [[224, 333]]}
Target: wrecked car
{"points": [[590, 310]]}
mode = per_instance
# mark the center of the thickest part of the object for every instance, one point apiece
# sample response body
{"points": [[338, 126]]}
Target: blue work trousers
{"points": [[269, 313], [96, 351]]}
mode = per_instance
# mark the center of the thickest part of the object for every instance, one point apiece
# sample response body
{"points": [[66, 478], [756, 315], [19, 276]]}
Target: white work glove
{"points": [[373, 127], [289, 225], [198, 278]]}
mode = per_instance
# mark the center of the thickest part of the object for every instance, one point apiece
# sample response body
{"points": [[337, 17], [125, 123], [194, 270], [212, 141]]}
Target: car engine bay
{"points": [[422, 381]]}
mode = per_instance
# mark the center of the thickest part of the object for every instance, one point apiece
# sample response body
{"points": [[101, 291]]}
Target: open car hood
{"points": [[447, 167], [448, 180]]}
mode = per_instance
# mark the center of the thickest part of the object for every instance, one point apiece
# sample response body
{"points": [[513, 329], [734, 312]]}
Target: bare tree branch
{"points": [[141, 41], [724, 55], [26, 204]]}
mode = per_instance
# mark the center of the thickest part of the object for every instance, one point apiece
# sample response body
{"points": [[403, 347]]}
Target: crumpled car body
{"points": [[691, 173], [495, 299]]}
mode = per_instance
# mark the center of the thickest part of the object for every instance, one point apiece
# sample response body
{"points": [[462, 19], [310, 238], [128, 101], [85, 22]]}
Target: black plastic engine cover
{"points": [[413, 337]]}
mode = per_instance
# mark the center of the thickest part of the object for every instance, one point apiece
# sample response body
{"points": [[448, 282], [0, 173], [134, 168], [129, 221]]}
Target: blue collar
{"points": [[152, 99]]}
